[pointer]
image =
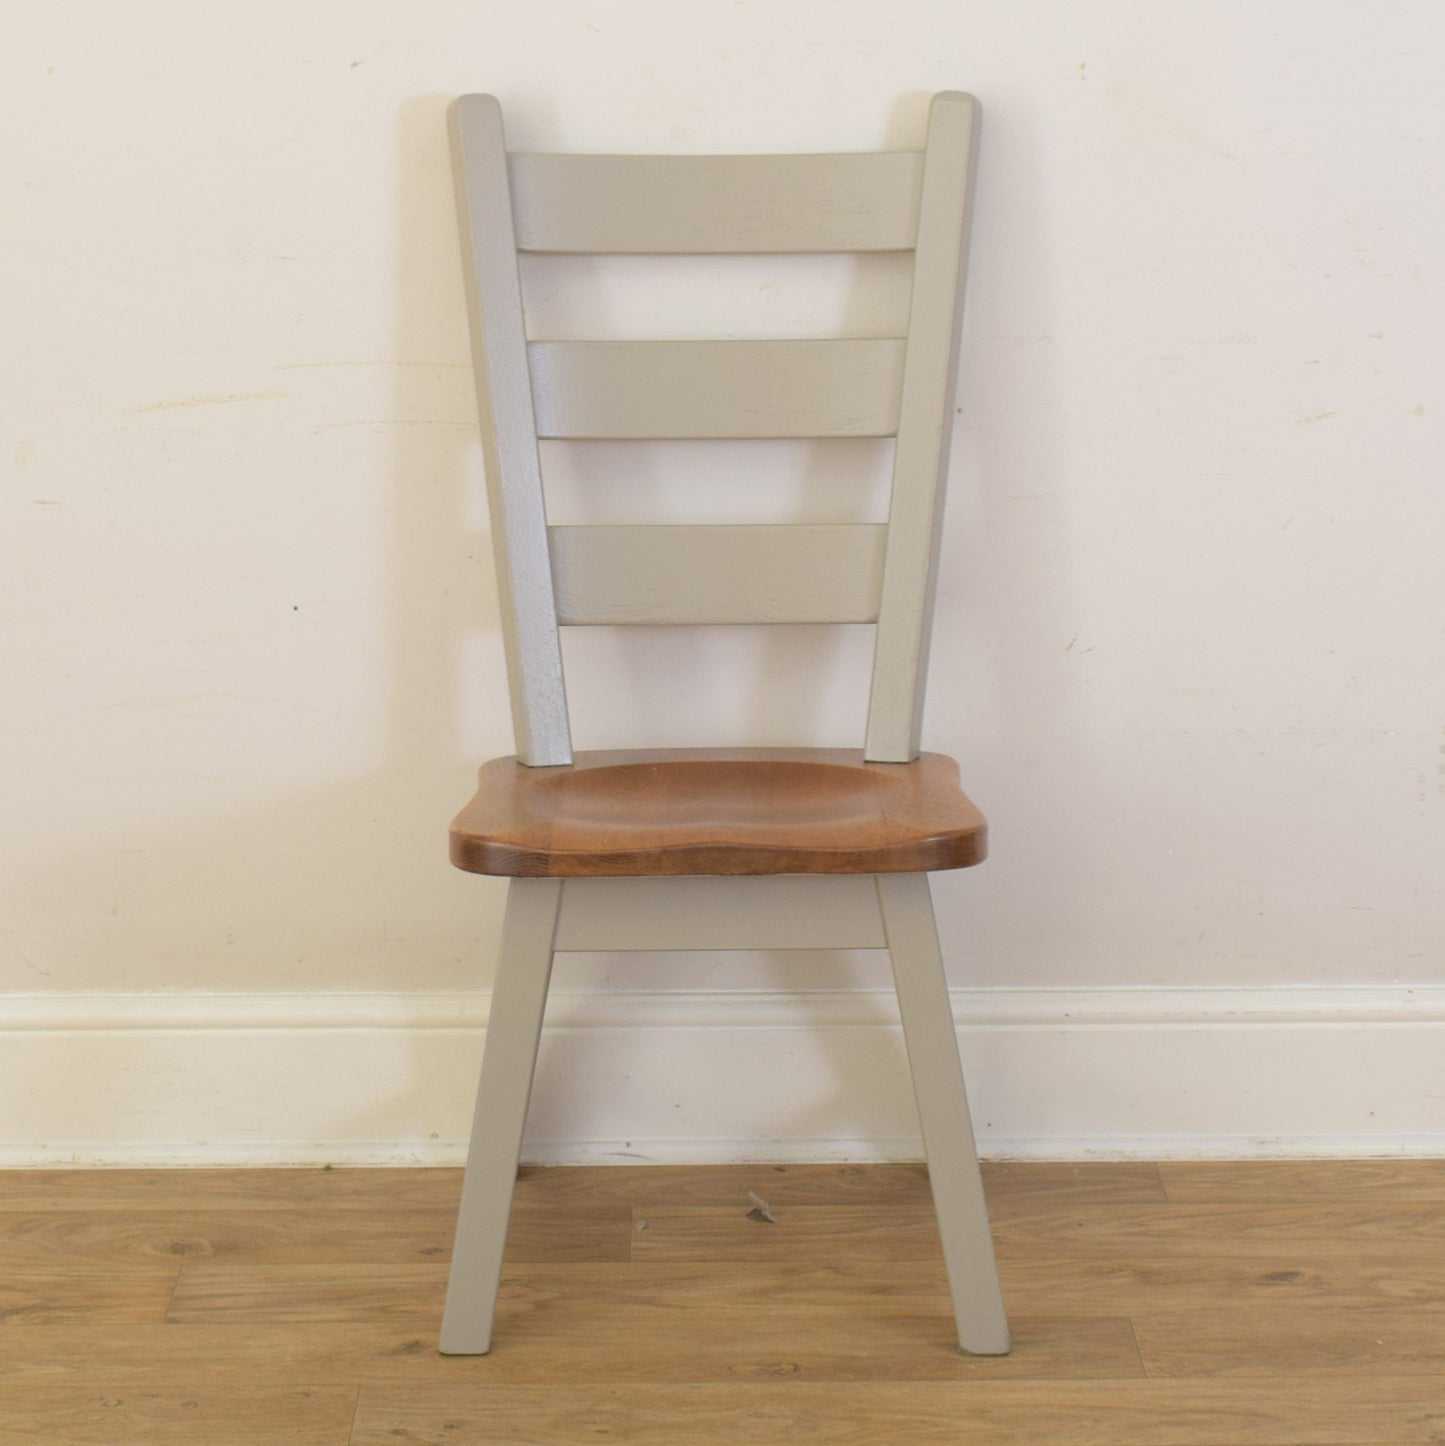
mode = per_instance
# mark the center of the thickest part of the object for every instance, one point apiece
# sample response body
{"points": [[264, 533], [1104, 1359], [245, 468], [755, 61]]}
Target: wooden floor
{"points": [[1179, 1303]]}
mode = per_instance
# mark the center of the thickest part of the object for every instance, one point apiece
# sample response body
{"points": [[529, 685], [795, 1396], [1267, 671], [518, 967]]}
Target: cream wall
{"points": [[1189, 641]]}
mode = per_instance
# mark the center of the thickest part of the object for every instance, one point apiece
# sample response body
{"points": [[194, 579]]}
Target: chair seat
{"points": [[718, 811]]}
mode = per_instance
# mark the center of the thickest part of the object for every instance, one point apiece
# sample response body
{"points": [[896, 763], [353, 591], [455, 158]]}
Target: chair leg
{"points": [[514, 1027], [928, 1029]]}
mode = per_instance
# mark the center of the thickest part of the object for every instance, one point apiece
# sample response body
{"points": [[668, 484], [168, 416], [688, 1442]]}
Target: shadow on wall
{"points": [[1008, 575]]}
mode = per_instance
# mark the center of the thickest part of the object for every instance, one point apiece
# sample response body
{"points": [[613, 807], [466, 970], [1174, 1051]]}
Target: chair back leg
{"points": [[514, 1028], [953, 1173]]}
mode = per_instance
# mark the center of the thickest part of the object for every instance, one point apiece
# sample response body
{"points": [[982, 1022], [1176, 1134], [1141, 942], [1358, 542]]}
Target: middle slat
{"points": [[768, 573], [843, 387]]}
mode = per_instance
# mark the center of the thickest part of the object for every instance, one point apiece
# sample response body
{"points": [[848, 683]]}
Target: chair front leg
{"points": [[953, 1172], [509, 1059]]}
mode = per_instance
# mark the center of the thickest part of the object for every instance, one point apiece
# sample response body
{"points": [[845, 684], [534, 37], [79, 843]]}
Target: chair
{"points": [[716, 848]]}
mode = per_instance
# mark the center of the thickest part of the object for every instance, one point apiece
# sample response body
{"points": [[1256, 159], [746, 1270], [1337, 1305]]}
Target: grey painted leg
{"points": [[943, 1109], [514, 1027]]}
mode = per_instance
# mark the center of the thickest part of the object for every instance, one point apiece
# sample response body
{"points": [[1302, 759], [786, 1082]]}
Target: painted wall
{"points": [[1189, 642]]}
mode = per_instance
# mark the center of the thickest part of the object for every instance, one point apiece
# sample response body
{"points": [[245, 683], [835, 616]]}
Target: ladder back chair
{"points": [[762, 848]]}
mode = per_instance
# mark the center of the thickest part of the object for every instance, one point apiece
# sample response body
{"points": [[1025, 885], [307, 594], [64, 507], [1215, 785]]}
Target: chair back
{"points": [[918, 201]]}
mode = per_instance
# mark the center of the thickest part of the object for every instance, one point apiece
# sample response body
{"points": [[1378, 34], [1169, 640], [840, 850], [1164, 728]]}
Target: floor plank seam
{"points": [[1144, 1372], [171, 1298], [355, 1417]]}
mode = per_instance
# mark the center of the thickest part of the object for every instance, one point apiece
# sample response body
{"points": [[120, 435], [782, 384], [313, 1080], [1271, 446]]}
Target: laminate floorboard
{"points": [[1130, 1413], [309, 1236], [1213, 1304], [62, 1295]]}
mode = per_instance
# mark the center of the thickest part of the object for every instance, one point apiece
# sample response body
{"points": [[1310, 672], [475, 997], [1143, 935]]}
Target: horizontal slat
{"points": [[663, 389], [715, 574], [801, 912], [716, 204]]}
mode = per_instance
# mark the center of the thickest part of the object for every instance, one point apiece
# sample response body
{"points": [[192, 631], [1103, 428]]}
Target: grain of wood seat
{"points": [[718, 811]]}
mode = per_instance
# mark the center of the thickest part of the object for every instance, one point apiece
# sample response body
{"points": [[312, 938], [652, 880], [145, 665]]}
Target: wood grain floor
{"points": [[1168, 1305]]}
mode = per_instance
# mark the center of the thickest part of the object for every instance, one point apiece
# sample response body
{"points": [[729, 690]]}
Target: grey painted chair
{"points": [[714, 848]]}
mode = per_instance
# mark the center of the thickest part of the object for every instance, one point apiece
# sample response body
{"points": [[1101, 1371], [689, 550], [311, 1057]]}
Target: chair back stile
{"points": [[820, 387], [509, 434], [925, 429]]}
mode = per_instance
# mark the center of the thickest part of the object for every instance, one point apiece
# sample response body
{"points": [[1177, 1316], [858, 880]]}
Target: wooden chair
{"points": [[717, 848]]}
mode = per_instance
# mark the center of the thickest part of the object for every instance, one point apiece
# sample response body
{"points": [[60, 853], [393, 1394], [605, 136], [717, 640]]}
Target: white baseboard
{"points": [[353, 1079]]}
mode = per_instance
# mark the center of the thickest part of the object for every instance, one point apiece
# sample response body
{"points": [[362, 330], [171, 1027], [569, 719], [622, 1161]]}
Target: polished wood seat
{"points": [[718, 811]]}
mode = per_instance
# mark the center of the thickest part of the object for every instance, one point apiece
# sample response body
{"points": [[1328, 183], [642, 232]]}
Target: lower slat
{"points": [[717, 574], [798, 912]]}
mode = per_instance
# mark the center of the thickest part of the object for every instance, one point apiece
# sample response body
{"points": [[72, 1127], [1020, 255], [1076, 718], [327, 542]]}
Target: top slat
{"points": [[715, 205]]}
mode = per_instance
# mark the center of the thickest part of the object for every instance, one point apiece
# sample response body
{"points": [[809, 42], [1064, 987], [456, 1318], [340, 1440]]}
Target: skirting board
{"points": [[349, 1079]]}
